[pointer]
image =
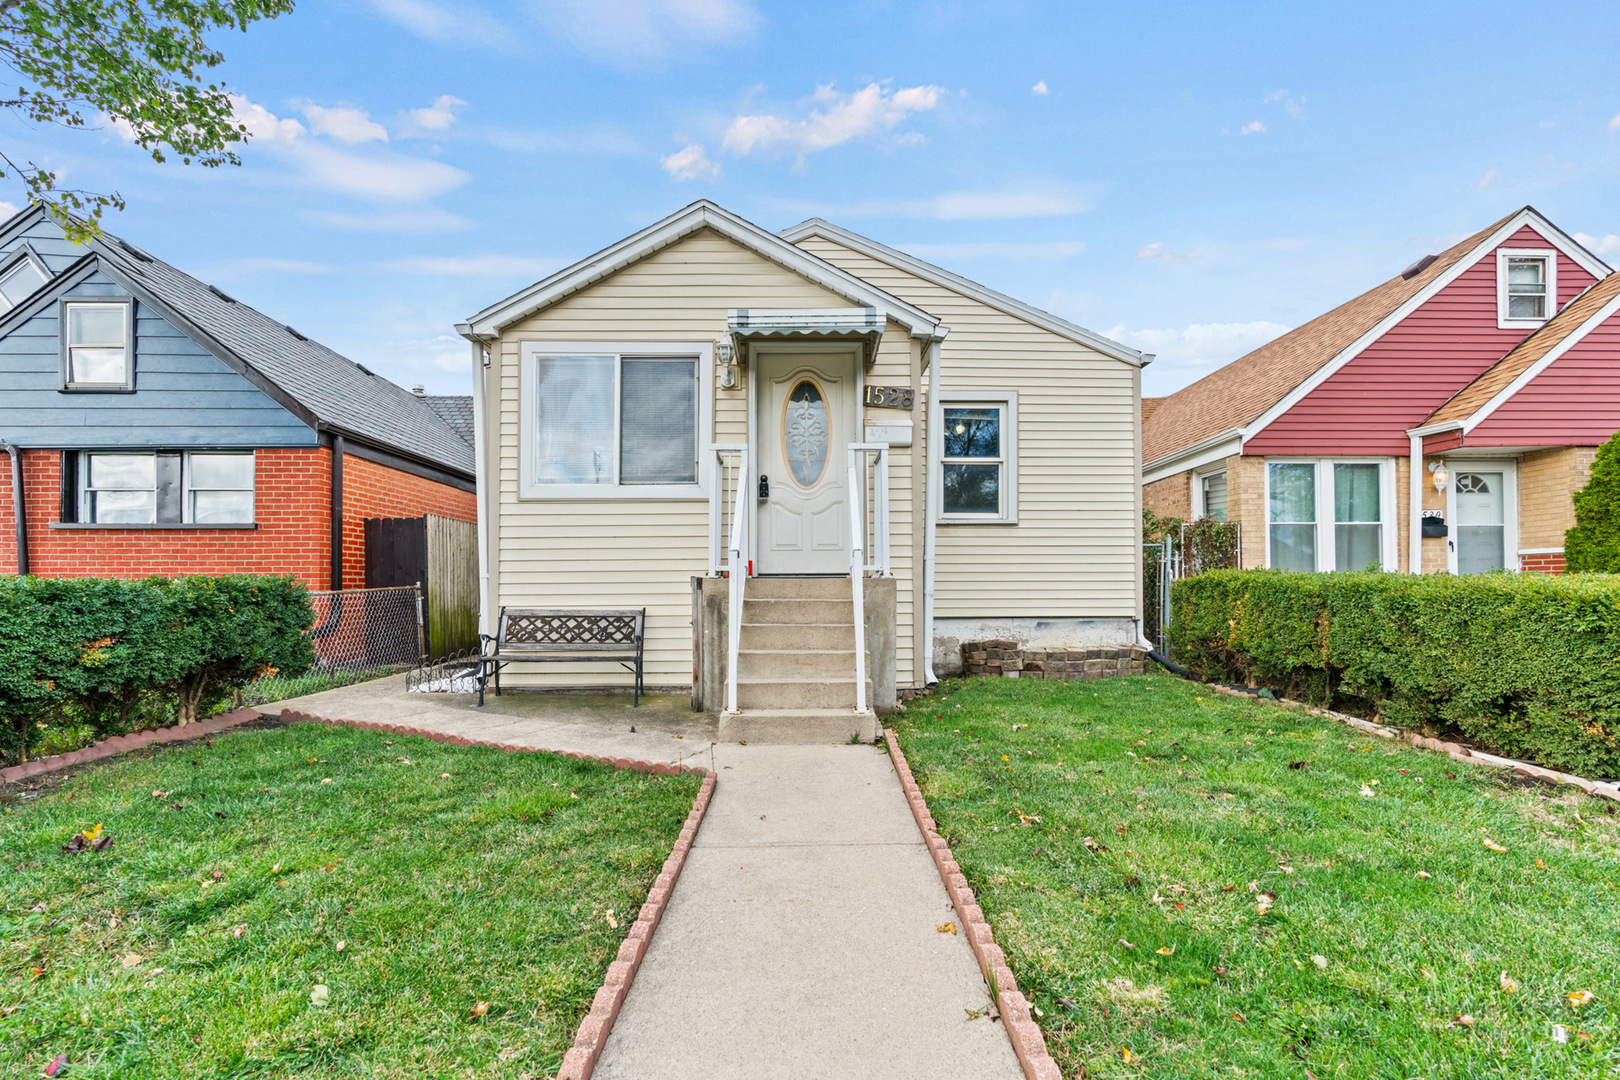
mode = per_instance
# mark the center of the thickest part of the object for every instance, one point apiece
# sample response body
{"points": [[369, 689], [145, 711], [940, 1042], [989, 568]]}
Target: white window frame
{"points": [[1326, 539], [85, 490], [1007, 403], [1509, 468], [66, 305], [1503, 255], [701, 352], [187, 512], [1201, 511], [24, 254]]}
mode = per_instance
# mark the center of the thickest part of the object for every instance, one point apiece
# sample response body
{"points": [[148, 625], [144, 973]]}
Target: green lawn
{"points": [[1299, 898], [250, 870]]}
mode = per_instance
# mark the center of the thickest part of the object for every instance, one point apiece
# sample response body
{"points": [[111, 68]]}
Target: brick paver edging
{"points": [[1027, 1040], [122, 744], [580, 1061]]}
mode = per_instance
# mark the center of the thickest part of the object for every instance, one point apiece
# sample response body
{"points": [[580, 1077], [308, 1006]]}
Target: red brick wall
{"points": [[292, 509], [1543, 562], [1170, 497]]}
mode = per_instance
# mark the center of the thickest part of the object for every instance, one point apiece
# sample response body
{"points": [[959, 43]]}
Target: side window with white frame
{"points": [[21, 275], [1328, 515], [97, 342], [619, 422], [1212, 496], [979, 459], [1526, 287], [165, 487]]}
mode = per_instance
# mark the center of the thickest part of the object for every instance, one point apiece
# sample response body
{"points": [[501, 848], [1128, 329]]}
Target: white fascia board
{"points": [[700, 215], [972, 289], [1527, 216], [1207, 451], [1528, 374]]}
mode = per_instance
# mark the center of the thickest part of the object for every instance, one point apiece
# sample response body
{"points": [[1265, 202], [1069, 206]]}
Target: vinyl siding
{"points": [[626, 552], [56, 251], [1575, 401], [1393, 384], [1075, 551], [184, 396]]}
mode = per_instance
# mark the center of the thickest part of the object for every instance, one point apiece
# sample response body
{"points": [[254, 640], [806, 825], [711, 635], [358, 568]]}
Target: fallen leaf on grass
{"points": [[479, 1009], [1239, 1018], [1167, 950], [1319, 960], [1579, 998], [132, 960], [1125, 1051], [1127, 944], [319, 994], [238, 930], [946, 928], [1509, 985], [1560, 1033], [1464, 1021], [1424, 875], [1494, 846], [444, 776], [1367, 792], [342, 945]]}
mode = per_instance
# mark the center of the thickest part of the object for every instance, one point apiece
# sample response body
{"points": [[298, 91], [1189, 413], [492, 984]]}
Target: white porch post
{"points": [[481, 491], [1414, 510]]}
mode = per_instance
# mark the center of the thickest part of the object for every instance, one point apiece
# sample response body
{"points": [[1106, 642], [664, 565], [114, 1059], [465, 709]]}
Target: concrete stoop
{"points": [[796, 665]]}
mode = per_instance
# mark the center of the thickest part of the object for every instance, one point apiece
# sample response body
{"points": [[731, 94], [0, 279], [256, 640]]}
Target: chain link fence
{"points": [[358, 634], [1188, 549]]}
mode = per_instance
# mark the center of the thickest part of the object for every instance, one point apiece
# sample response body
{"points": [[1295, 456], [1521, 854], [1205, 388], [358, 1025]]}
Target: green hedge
{"points": [[1525, 663], [115, 656], [1594, 543]]}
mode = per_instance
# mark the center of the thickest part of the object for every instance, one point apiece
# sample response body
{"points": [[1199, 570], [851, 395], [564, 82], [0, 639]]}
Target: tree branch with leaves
{"points": [[133, 64]]}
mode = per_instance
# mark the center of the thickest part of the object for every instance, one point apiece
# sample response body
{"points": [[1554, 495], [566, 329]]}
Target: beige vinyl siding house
{"points": [[804, 361]]}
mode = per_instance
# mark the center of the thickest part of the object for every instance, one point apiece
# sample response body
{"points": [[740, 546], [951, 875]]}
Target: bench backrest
{"points": [[541, 628]]}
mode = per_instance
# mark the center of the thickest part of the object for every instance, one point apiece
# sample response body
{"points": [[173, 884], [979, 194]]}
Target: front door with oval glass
{"points": [[805, 408]]}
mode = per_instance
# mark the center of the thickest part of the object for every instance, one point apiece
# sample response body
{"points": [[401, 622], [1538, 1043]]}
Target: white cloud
{"points": [[7, 210], [438, 23], [595, 139], [1039, 89], [1033, 200], [625, 31], [992, 249], [347, 125], [1602, 245], [435, 118], [1200, 344], [1253, 127], [382, 177], [1293, 106], [1157, 252], [1614, 125], [118, 126], [263, 125], [474, 265], [688, 163], [873, 110], [415, 219], [1487, 180]]}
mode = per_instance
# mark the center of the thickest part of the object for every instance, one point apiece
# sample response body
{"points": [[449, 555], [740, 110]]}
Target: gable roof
{"points": [[956, 282], [456, 410], [1501, 380], [1244, 392], [702, 214], [323, 388]]}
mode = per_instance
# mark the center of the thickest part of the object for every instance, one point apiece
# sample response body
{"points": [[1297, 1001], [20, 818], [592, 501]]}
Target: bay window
{"points": [[612, 421], [1329, 515]]}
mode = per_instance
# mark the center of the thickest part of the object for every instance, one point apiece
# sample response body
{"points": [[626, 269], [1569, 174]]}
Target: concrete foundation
{"points": [[1040, 634]]}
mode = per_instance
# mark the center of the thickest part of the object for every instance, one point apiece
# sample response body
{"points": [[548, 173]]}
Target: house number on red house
{"points": [[889, 397]]}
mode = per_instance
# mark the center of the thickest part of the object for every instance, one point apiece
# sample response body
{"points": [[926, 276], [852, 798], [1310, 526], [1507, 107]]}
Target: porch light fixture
{"points": [[1438, 469], [724, 356]]}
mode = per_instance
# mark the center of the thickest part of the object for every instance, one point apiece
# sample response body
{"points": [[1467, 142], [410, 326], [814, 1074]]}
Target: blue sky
{"points": [[1189, 179]]}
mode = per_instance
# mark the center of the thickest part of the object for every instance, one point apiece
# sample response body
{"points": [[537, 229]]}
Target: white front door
{"points": [[805, 408], [1482, 533]]}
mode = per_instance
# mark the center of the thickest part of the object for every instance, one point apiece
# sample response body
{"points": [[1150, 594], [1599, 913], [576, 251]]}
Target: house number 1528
{"points": [[889, 397]]}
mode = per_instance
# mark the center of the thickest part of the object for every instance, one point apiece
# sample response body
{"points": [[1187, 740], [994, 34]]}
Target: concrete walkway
{"points": [[801, 940]]}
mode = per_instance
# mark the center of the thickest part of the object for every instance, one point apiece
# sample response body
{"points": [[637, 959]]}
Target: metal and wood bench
{"points": [[563, 635]]}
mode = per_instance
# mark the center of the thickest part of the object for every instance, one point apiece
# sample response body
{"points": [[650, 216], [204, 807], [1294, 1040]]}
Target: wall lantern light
{"points": [[1438, 469], [724, 356]]}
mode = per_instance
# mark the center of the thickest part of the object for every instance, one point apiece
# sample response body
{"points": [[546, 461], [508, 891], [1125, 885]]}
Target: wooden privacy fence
{"points": [[441, 554]]}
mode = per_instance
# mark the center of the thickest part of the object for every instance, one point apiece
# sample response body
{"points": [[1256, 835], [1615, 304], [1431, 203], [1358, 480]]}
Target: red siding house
{"points": [[1488, 373], [156, 425]]}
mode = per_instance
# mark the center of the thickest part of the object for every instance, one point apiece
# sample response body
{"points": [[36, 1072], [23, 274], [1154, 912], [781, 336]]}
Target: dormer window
{"points": [[21, 275], [97, 336], [1526, 288]]}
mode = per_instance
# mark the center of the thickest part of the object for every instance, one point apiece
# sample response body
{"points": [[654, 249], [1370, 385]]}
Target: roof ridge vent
{"points": [[222, 294], [365, 370], [1418, 267], [295, 333], [133, 251]]}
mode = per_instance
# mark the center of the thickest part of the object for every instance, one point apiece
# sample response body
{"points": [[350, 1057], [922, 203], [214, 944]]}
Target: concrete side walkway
{"points": [[801, 939]]}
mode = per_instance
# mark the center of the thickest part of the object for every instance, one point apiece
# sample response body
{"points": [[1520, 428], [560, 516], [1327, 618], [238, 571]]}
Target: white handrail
{"points": [[857, 582], [739, 578], [878, 547], [719, 478]]}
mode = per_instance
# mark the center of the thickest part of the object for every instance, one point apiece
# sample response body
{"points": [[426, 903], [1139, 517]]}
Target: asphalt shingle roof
{"points": [[455, 410]]}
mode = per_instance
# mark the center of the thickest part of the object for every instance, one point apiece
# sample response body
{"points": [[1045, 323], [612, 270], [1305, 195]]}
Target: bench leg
{"points": [[483, 678]]}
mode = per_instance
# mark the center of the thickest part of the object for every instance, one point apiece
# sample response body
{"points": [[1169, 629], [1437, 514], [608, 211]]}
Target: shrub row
{"points": [[117, 656], [1525, 663]]}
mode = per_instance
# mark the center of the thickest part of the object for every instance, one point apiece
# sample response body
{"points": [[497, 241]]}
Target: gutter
{"points": [[480, 489], [18, 508], [337, 514], [936, 425]]}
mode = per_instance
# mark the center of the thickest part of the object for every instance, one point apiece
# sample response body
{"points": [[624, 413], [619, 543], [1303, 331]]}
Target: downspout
{"points": [[936, 423], [480, 489], [1414, 512], [337, 513], [18, 508]]}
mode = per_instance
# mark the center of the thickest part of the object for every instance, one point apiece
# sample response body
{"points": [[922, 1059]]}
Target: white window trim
{"points": [[85, 490], [186, 488], [1326, 539], [1007, 402], [128, 304], [83, 494], [1502, 257], [24, 254], [700, 351], [1199, 510], [1510, 507]]}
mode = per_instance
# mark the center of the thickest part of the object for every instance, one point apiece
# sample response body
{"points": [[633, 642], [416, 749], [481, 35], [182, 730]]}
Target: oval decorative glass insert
{"points": [[804, 432]]}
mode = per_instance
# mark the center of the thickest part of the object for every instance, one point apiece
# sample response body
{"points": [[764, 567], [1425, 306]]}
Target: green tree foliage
{"points": [[135, 63], [117, 656], [1528, 664], [1593, 545]]}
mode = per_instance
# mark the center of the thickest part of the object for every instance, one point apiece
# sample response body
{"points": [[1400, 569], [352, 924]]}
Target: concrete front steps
{"points": [[796, 665]]}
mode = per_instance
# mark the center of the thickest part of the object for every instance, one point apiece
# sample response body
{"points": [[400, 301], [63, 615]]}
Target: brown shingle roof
{"points": [[1243, 390], [1499, 376], [1150, 405]]}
